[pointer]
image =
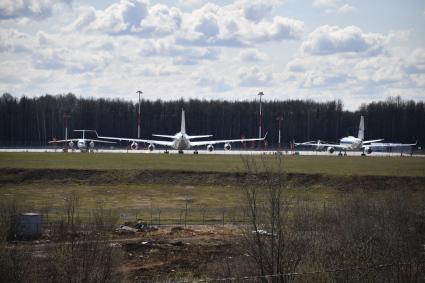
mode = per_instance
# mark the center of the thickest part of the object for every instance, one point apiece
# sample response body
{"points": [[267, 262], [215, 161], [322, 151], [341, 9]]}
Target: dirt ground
{"points": [[182, 253]]}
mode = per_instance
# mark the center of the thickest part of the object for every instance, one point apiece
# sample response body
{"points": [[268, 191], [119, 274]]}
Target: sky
{"points": [[356, 51]]}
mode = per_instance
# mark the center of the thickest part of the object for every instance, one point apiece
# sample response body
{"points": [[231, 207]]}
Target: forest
{"points": [[33, 121]]}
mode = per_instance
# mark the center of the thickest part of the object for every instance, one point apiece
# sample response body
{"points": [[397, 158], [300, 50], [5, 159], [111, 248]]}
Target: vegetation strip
{"points": [[102, 177], [330, 165]]}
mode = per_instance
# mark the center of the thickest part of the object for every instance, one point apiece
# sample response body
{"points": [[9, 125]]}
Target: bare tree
{"points": [[72, 203], [274, 248]]}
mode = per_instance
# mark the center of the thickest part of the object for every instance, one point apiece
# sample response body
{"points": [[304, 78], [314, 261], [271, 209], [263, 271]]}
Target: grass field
{"points": [[334, 165], [168, 196]]}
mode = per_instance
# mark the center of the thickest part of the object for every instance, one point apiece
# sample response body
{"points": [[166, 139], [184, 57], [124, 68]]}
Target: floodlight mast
{"points": [[138, 116], [261, 116], [65, 121], [279, 119]]}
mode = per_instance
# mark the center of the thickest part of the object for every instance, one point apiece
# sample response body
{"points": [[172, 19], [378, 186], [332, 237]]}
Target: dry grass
{"points": [[334, 165]]}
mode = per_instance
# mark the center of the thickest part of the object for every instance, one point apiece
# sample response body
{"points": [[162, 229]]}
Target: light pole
{"points": [[138, 116], [65, 121], [279, 119], [261, 116]]}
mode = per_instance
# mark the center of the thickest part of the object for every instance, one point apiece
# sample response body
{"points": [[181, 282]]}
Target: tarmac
{"points": [[218, 152]]}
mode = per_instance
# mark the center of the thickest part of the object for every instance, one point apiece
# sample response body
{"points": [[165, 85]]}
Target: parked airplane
{"points": [[82, 144], [182, 141], [347, 143], [355, 144]]}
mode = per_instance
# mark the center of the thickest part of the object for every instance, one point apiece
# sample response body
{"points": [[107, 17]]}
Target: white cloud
{"points": [[14, 41], [87, 15], [228, 26], [325, 3], [252, 55], [161, 20], [191, 3], [120, 18], [253, 77], [158, 70], [240, 23], [181, 54], [36, 9], [345, 74], [281, 28], [73, 61], [415, 62], [213, 84], [346, 9], [258, 10], [333, 39], [129, 17], [334, 6]]}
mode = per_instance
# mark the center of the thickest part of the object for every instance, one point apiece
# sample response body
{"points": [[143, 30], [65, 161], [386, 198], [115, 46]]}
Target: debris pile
{"points": [[134, 227]]}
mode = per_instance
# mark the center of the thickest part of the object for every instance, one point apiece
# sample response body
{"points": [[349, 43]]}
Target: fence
{"points": [[153, 216], [393, 272]]}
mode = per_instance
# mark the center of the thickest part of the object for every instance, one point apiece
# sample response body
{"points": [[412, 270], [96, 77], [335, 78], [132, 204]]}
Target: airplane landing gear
{"points": [[166, 151], [345, 153], [195, 152], [340, 153], [181, 151]]}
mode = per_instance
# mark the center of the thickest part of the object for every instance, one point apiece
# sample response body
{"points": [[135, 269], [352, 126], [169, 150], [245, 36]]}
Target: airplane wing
{"points": [[163, 136], [199, 143], [199, 137], [188, 137], [372, 141], [166, 143], [305, 143], [60, 141], [336, 146], [389, 144], [91, 140]]}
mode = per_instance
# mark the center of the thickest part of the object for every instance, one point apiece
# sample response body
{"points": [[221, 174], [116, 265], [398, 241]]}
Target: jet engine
{"points": [[92, 144], [210, 147], [71, 144], [331, 150], [134, 145], [368, 150], [151, 147], [227, 146]]}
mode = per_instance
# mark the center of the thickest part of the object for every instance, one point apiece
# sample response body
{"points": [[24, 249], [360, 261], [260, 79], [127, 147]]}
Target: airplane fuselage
{"points": [[181, 142], [81, 144], [353, 143]]}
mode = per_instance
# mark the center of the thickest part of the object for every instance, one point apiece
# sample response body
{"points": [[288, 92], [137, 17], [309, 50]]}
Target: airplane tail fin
{"points": [[361, 128], [84, 132], [183, 126]]}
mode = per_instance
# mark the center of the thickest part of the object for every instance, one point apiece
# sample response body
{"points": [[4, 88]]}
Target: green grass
{"points": [[352, 165], [140, 199], [169, 197], [122, 198]]}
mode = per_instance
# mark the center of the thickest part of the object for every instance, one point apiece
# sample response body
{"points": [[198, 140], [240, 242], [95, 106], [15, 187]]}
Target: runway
{"points": [[216, 152]]}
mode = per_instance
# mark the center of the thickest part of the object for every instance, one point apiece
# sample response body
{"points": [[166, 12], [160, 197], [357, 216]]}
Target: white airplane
{"points": [[82, 144], [346, 143], [351, 143], [181, 141]]}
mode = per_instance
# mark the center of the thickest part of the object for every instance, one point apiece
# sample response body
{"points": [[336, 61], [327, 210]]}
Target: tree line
{"points": [[34, 121]]}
